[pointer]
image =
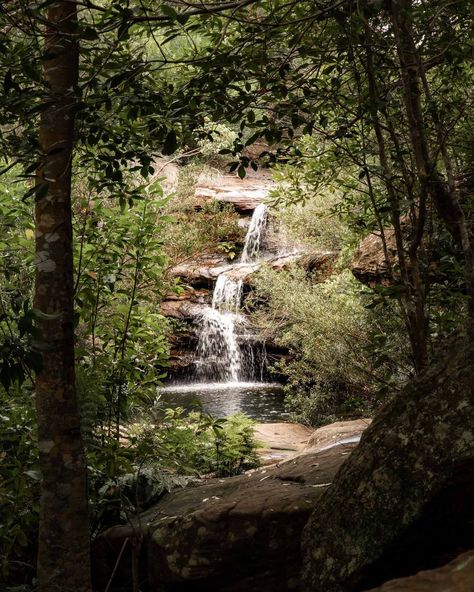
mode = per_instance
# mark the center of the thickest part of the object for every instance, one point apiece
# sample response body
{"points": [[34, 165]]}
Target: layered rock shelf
{"points": [[243, 194]]}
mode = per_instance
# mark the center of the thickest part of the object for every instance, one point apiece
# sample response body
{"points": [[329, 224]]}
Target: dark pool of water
{"points": [[261, 402]]}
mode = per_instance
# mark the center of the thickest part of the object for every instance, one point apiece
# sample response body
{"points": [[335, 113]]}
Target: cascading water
{"points": [[229, 367], [226, 351], [255, 234], [227, 294], [219, 356]]}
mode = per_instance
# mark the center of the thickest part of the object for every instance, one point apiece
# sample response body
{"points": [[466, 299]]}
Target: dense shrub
{"points": [[334, 368], [164, 449], [19, 479], [161, 450]]}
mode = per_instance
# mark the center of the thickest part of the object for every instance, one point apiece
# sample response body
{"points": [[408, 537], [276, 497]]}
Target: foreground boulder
{"points": [[456, 576], [239, 533], [404, 499]]}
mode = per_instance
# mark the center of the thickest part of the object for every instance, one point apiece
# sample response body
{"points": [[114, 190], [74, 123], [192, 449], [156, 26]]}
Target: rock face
{"points": [[456, 576], [369, 265], [184, 306], [239, 533], [204, 271], [244, 194], [403, 501]]}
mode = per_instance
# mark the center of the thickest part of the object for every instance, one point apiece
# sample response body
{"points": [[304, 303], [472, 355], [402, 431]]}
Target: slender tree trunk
{"points": [[410, 276], [63, 553], [444, 197]]}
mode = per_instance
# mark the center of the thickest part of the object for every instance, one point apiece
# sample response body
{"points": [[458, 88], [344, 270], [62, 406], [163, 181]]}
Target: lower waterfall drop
{"points": [[219, 357]]}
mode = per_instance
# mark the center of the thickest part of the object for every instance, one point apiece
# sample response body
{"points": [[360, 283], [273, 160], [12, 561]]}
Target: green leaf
{"points": [[169, 11]]}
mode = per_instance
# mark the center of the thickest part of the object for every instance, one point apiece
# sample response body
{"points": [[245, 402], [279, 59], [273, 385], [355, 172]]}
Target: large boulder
{"points": [[403, 501], [456, 576], [239, 533]]}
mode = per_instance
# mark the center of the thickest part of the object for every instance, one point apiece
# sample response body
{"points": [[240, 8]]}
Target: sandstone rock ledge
{"points": [[239, 533]]}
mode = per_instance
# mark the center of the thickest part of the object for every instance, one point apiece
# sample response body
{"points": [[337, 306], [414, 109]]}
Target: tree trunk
{"points": [[444, 198], [63, 550], [414, 301]]}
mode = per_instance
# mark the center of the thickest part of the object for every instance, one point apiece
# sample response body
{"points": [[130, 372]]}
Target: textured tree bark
{"points": [[63, 550]]}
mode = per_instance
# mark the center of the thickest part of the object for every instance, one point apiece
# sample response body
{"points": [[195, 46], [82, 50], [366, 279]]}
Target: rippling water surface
{"points": [[263, 402]]}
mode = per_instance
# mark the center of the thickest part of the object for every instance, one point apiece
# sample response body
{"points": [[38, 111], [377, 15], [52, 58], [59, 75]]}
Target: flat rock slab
{"points": [[244, 194], [291, 437], [281, 440], [209, 268], [285, 439], [336, 433], [457, 576], [239, 533]]}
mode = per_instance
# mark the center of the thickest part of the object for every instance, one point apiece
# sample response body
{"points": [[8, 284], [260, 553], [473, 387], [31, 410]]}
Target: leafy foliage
{"points": [[19, 479], [122, 338], [176, 77], [334, 368], [162, 450], [200, 228]]}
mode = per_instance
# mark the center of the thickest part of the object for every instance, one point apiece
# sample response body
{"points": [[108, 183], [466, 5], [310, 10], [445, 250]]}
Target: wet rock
{"points": [[333, 433], [456, 576], [203, 271], [403, 501]]}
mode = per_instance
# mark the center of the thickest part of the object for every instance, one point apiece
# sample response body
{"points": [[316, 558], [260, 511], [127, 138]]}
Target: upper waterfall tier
{"points": [[255, 234]]}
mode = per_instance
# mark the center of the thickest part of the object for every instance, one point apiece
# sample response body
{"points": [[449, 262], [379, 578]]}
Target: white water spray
{"points": [[227, 294], [255, 234]]}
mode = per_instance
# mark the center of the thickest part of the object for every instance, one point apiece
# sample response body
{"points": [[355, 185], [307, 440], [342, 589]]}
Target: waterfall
{"points": [[255, 234], [227, 294], [226, 351], [219, 356]]}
